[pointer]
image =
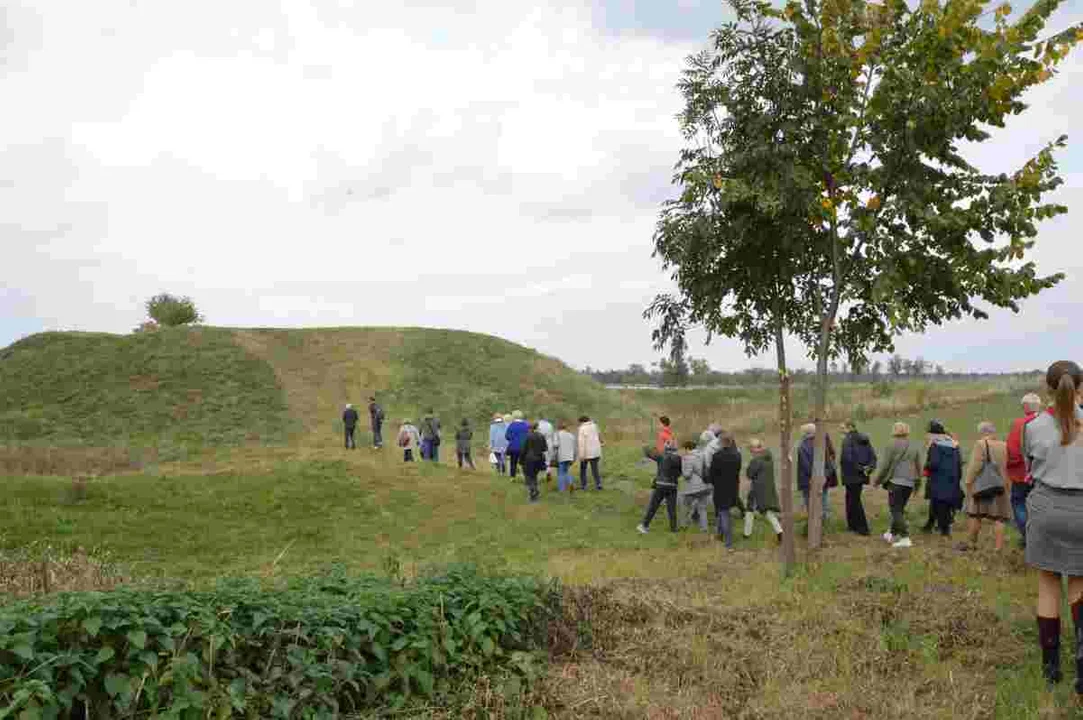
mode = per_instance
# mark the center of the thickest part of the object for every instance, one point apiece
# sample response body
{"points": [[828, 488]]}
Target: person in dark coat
{"points": [[763, 494], [664, 487], [534, 454], [463, 436], [725, 475], [376, 417], [349, 422], [857, 464], [944, 470], [805, 455]]}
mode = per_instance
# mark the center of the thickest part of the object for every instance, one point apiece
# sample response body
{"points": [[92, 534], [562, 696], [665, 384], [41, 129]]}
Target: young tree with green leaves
{"points": [[169, 310], [873, 223]]}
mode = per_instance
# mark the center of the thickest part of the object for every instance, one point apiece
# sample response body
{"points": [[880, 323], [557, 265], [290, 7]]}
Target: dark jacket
{"points": [[670, 468], [858, 459], [763, 495], [463, 436], [516, 433], [349, 418], [805, 453], [376, 414], [534, 448], [725, 475], [944, 468]]}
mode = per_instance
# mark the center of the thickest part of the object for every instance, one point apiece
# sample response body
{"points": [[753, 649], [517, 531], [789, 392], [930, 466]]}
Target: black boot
{"points": [[1049, 640], [1077, 609]]}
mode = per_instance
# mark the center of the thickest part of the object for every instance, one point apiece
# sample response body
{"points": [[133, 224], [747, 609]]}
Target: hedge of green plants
{"points": [[316, 648]]}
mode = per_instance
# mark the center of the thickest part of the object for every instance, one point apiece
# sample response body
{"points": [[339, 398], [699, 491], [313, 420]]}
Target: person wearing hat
{"points": [[498, 442], [349, 422], [899, 474], [944, 470]]}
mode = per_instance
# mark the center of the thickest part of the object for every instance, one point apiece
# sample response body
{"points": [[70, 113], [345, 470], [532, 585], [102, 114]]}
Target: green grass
{"points": [[661, 625], [172, 388]]}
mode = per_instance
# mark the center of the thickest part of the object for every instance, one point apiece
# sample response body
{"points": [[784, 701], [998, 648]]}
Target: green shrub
{"points": [[882, 389], [316, 648]]}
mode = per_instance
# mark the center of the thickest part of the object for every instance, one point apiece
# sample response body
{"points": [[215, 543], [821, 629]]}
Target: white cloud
{"points": [[487, 165]]}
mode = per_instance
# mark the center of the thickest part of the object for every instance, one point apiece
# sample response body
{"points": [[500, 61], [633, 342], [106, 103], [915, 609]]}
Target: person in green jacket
{"points": [[900, 474]]}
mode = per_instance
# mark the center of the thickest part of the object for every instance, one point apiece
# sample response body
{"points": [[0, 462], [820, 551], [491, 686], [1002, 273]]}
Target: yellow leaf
{"points": [[718, 181], [826, 203], [1044, 75], [873, 203]]}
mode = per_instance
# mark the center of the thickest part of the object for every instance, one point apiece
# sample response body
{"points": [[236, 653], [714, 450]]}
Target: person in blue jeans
{"points": [[565, 451], [805, 453], [430, 437], [1018, 463]]}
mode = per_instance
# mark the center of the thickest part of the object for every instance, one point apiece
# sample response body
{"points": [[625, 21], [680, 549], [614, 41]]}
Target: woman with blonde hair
{"points": [[1054, 447], [988, 463], [899, 474]]}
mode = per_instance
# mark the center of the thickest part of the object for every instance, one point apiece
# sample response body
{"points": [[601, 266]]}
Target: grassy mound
{"points": [[177, 387], [222, 387], [459, 374]]}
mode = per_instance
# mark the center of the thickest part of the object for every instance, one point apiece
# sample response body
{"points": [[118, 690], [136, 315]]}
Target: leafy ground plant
{"points": [[316, 647]]}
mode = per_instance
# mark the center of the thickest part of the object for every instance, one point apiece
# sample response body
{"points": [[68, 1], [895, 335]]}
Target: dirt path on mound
{"points": [[321, 370]]}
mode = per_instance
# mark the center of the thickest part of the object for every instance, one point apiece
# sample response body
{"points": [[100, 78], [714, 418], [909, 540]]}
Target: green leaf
{"points": [[92, 625], [138, 638], [24, 651], [105, 654], [424, 681], [487, 646], [116, 684]]}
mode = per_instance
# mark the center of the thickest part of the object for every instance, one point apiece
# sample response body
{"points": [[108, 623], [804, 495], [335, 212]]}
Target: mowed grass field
{"points": [[664, 625]]}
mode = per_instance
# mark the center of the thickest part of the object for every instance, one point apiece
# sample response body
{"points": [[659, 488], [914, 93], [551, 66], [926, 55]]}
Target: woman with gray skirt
{"points": [[1054, 448]]}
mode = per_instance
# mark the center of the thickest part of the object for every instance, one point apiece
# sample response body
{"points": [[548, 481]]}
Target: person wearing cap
{"points": [[498, 442], [1017, 463], [899, 474], [349, 422]]}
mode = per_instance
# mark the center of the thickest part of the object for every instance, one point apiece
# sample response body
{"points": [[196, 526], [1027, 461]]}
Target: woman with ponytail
{"points": [[1054, 453]]}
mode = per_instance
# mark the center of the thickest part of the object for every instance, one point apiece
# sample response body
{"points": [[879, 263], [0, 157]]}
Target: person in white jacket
{"points": [[589, 452], [546, 429], [565, 454]]}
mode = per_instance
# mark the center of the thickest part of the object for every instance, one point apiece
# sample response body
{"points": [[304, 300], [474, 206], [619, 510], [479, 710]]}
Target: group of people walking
{"points": [[538, 445]]}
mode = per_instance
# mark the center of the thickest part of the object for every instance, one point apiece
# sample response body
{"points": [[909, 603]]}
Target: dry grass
{"points": [[30, 460], [37, 570]]}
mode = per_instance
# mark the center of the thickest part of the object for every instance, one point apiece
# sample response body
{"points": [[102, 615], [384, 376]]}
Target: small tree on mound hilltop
{"points": [[169, 311]]}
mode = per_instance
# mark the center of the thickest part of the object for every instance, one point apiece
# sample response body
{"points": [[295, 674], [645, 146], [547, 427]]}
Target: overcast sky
{"points": [[487, 165]]}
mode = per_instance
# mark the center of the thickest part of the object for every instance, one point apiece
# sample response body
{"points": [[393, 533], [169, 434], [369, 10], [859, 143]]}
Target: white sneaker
{"points": [[642, 530], [888, 537], [903, 543]]}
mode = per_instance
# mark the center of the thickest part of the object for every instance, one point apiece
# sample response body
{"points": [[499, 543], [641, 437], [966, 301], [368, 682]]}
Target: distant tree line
{"points": [[698, 372]]}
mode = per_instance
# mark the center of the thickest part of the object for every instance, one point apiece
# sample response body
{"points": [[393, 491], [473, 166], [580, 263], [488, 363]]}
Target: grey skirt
{"points": [[1055, 530]]}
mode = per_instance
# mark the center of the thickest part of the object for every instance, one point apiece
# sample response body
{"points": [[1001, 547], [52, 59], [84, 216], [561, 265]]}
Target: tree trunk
{"points": [[785, 423]]}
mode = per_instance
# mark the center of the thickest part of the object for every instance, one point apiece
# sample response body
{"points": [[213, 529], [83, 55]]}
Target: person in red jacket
{"points": [[1017, 463], [665, 434]]}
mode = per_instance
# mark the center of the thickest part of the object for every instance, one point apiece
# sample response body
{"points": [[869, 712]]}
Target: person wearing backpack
{"points": [[1017, 463], [408, 440], [944, 470], [376, 416], [900, 475], [857, 464], [430, 437], [987, 484]]}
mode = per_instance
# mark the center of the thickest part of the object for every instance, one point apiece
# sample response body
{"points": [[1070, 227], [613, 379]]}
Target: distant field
{"points": [[668, 626]]}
